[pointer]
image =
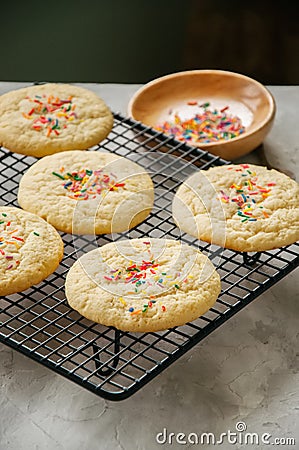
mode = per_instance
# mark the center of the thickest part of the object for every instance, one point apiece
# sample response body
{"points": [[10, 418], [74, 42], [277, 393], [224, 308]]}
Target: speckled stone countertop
{"points": [[246, 371]]}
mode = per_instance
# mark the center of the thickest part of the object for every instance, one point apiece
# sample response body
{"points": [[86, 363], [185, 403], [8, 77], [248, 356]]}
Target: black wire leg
{"points": [[105, 371], [251, 260]]}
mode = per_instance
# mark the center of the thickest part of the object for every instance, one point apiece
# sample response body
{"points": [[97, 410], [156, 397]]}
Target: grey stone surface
{"points": [[245, 371]]}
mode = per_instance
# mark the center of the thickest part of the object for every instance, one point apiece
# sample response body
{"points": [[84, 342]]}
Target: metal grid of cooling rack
{"points": [[108, 362]]}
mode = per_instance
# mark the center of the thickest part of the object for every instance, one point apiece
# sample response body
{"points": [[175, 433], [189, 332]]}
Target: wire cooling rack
{"points": [[108, 362]]}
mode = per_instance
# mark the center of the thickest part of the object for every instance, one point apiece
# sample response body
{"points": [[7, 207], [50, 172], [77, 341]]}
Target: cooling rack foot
{"points": [[251, 260], [108, 369]]}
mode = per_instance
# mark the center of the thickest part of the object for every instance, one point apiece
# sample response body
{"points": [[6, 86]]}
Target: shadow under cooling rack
{"points": [[108, 362]]}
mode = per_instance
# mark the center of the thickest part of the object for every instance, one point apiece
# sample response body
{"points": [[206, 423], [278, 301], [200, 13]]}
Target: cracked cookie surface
{"points": [[242, 207], [87, 192], [50, 118], [30, 250], [143, 284]]}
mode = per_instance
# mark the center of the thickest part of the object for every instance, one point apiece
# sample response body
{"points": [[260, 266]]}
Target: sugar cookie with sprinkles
{"points": [[49, 118], [87, 192], [241, 207], [143, 285], [30, 250]]}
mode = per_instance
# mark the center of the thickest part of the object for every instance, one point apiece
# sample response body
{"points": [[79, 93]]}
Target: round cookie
{"points": [[50, 118], [30, 250], [142, 285], [87, 192], [241, 207]]}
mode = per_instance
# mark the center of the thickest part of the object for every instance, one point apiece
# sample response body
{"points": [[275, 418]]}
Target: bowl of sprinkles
{"points": [[225, 113]]}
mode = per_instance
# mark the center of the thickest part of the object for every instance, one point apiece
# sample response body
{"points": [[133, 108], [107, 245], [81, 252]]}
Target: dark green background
{"points": [[135, 41]]}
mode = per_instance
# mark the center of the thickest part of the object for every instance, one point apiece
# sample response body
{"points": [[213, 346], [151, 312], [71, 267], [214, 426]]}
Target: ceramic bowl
{"points": [[184, 92]]}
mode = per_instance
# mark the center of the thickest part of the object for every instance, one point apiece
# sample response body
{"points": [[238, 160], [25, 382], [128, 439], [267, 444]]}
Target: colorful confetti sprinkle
{"points": [[50, 114], [139, 276], [86, 183], [247, 195], [205, 126], [10, 243]]}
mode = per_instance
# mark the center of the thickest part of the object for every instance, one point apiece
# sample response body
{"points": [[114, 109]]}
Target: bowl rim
{"points": [[271, 101]]}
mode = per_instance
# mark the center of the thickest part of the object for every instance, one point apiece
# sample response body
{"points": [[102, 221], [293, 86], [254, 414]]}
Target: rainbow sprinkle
{"points": [[85, 183], [139, 276], [50, 114], [248, 194], [10, 243], [204, 127]]}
